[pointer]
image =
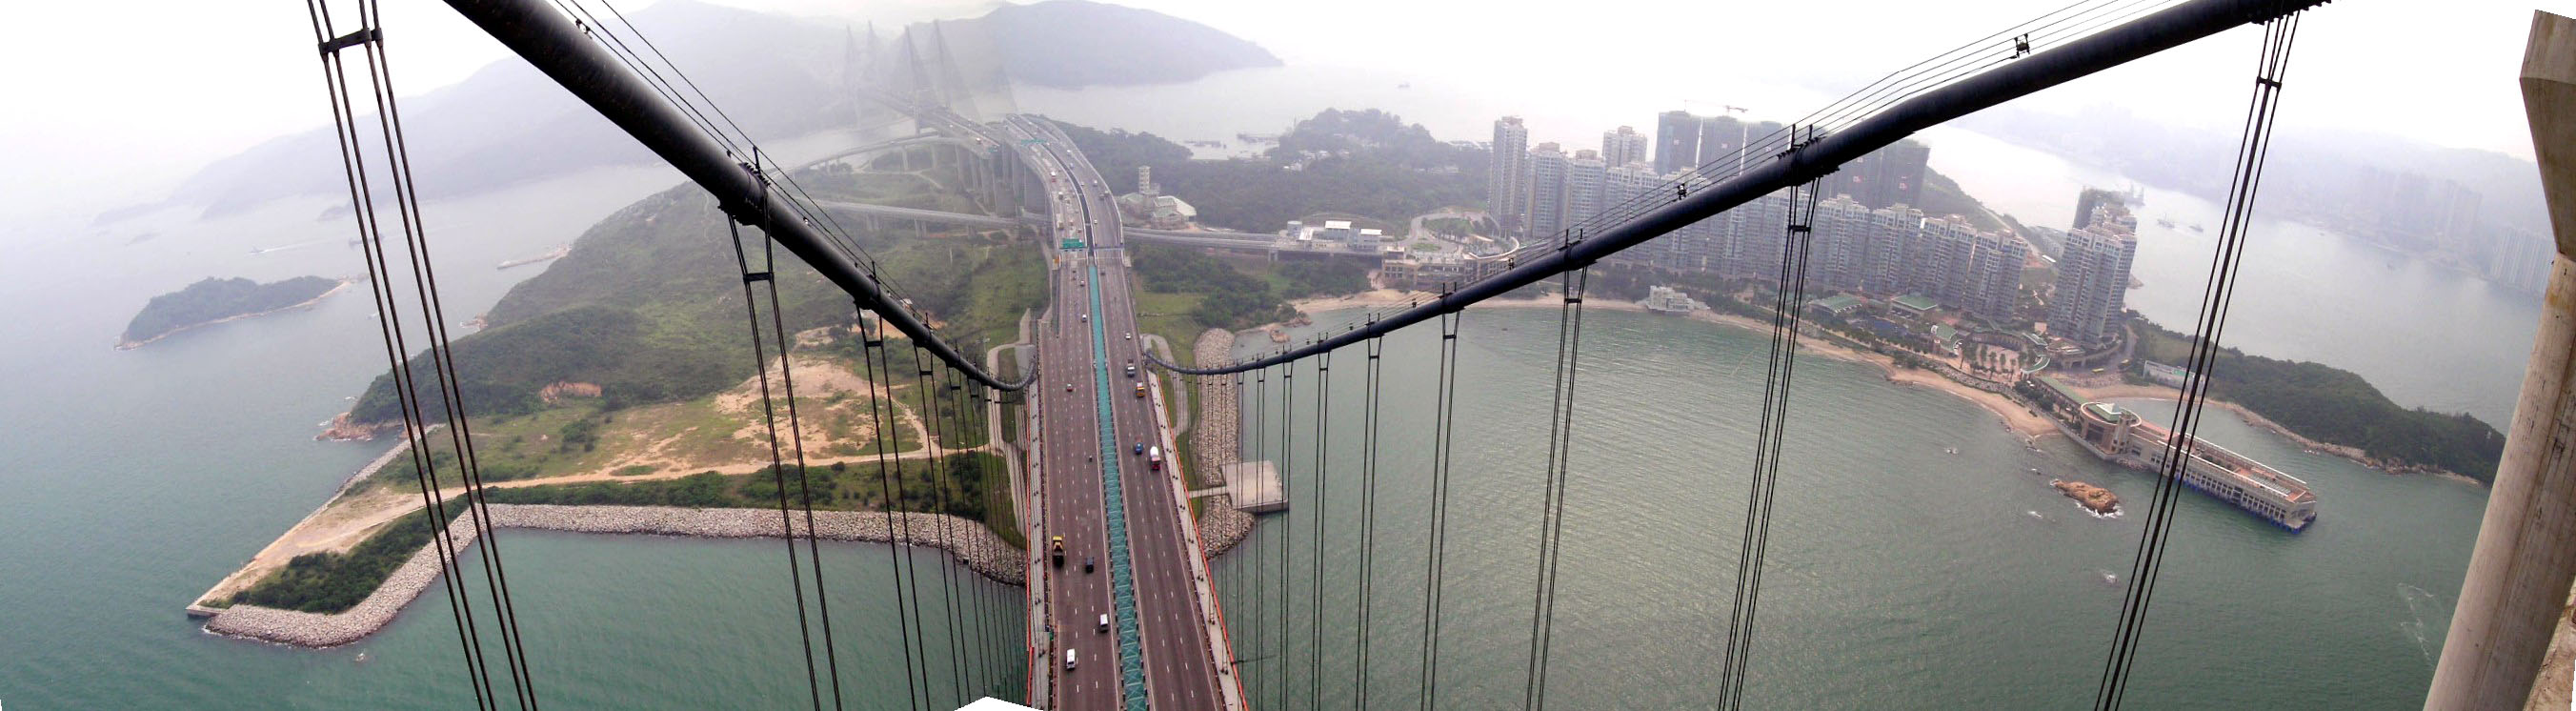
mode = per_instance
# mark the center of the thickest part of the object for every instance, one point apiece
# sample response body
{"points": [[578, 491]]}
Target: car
{"points": [[1068, 660], [1104, 622], [1140, 448], [1086, 317], [1086, 564], [1068, 387], [1131, 336]]}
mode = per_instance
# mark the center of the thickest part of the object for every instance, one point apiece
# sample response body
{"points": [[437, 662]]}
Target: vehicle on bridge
{"points": [[1104, 622], [1154, 458], [1057, 545], [1140, 448], [1068, 659], [1131, 369], [1140, 390], [1087, 562]]}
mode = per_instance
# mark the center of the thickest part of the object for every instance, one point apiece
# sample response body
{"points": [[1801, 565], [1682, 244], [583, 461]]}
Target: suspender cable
{"points": [[777, 465], [1260, 561], [881, 391], [980, 603], [389, 327], [926, 382], [1785, 323], [1288, 520], [1323, 516], [1446, 408], [1569, 341], [1368, 525], [2216, 293]]}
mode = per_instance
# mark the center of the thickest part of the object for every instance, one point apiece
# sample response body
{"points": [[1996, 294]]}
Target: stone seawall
{"points": [[1221, 525], [976, 546]]}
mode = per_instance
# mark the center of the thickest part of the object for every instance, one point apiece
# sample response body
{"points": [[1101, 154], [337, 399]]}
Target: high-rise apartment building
{"points": [[2089, 199], [2093, 284], [1994, 277], [1676, 142], [1888, 176], [1547, 173], [1507, 176], [1585, 180], [1882, 259], [1622, 146]]}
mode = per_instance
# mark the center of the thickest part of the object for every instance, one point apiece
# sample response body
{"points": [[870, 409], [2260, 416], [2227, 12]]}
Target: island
{"points": [[213, 301]]}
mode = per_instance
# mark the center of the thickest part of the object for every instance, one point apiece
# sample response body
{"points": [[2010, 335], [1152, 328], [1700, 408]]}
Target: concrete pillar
{"points": [[2518, 576]]}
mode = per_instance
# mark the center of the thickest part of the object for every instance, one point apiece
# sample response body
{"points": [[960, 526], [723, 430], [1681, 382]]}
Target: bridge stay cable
{"points": [[1560, 435], [1436, 549], [389, 325], [2217, 292], [787, 530]]}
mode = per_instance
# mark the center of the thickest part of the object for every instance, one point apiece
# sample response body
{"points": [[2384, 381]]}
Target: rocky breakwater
{"points": [[973, 544], [1214, 435], [2096, 499]]}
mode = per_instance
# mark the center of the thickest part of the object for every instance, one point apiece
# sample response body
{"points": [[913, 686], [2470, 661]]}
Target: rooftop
{"points": [[1916, 302]]}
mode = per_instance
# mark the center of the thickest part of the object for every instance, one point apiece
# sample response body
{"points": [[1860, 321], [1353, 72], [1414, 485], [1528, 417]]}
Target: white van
{"points": [[1104, 622], [1068, 660]]}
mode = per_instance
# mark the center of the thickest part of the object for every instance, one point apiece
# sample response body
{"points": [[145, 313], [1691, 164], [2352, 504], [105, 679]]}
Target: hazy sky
{"points": [[99, 124]]}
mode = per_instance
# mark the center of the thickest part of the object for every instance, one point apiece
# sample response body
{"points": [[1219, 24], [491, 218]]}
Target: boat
{"points": [[2164, 223], [556, 253]]}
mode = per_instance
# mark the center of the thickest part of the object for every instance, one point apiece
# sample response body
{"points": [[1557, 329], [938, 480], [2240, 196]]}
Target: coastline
{"points": [[2020, 420], [2029, 424], [970, 543], [126, 345]]}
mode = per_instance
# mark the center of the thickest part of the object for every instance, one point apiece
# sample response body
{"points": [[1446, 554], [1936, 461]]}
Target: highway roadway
{"points": [[1180, 671]]}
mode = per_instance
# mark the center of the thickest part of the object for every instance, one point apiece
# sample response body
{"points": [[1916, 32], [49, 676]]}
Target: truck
{"points": [[1154, 457], [1056, 546], [1140, 390]]}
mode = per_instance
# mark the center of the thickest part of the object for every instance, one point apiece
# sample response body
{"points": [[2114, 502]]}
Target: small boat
{"points": [[2035, 514], [1949, 450], [362, 658]]}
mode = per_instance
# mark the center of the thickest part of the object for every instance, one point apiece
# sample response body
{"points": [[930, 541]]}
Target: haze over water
{"points": [[1900, 576]]}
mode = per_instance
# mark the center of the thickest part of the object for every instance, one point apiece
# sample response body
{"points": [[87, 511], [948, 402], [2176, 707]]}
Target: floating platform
{"points": [[1254, 486]]}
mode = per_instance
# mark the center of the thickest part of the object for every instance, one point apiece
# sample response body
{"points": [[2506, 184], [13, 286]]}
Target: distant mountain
{"points": [[508, 124], [775, 75], [1069, 44]]}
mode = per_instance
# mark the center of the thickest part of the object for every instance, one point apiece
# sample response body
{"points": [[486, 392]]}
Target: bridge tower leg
{"points": [[2516, 589]]}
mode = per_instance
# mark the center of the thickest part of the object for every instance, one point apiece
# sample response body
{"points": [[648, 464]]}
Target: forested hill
{"points": [[213, 300], [648, 306], [1368, 162], [2335, 406]]}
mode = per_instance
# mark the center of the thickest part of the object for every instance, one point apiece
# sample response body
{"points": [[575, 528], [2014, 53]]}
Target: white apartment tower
{"points": [[1546, 193], [1507, 176], [1622, 146]]}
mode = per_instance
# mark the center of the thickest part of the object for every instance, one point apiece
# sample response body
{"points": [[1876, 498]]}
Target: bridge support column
{"points": [[2516, 588]]}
